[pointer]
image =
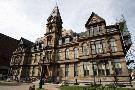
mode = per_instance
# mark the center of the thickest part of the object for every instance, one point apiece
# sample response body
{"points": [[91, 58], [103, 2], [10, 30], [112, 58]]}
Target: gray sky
{"points": [[27, 18]]}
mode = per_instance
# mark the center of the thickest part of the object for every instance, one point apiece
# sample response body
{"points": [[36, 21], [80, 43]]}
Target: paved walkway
{"points": [[24, 86]]}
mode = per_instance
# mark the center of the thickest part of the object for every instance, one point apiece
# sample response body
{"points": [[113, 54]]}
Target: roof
{"points": [[94, 18], [25, 42], [55, 11], [7, 47]]}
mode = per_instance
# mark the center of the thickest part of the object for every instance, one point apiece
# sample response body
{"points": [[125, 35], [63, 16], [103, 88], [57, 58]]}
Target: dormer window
{"points": [[66, 40], [60, 42], [42, 45], [75, 38], [96, 30]]}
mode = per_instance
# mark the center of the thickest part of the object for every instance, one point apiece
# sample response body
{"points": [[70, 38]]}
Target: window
{"points": [[60, 42], [49, 40], [39, 71], [113, 45], [104, 47], [66, 70], [91, 31], [17, 72], [49, 55], [75, 38], [98, 47], [86, 68], [66, 40], [50, 28], [75, 69], [35, 58], [85, 49], [41, 56], [33, 71], [67, 54], [25, 71], [101, 68], [96, 30], [118, 69], [76, 53], [95, 68], [40, 46], [59, 55], [107, 68], [93, 49]]}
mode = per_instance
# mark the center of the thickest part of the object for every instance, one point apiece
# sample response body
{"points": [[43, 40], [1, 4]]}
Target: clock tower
{"points": [[54, 28]]}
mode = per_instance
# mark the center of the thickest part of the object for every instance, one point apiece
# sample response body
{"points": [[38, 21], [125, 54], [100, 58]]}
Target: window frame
{"points": [[85, 50], [86, 68], [75, 53], [66, 70], [59, 54], [67, 53], [118, 69], [113, 45], [75, 69], [67, 40]]}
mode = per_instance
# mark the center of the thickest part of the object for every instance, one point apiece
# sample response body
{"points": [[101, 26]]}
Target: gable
{"points": [[21, 42], [18, 50], [94, 18]]}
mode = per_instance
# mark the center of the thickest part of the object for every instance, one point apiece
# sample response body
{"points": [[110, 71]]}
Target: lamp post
{"points": [[42, 72]]}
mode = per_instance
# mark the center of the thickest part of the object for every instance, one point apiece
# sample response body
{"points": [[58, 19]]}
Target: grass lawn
{"points": [[89, 88]]}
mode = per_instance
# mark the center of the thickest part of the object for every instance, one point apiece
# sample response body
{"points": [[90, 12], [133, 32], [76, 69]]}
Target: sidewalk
{"points": [[25, 86]]}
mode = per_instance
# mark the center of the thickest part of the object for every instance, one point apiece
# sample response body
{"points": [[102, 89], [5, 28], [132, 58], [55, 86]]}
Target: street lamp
{"points": [[42, 72]]}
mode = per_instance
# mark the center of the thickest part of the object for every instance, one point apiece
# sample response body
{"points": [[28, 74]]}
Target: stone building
{"points": [[98, 54]]}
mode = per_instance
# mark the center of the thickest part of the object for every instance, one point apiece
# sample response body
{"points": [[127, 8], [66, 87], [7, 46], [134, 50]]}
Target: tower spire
{"points": [[54, 21], [55, 11]]}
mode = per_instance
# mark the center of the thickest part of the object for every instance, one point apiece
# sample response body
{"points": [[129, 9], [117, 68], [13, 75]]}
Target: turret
{"points": [[54, 22]]}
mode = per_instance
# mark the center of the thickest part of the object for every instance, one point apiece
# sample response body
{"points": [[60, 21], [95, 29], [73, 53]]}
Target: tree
{"points": [[130, 58]]}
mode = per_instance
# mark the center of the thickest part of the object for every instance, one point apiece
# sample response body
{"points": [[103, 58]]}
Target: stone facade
{"points": [[98, 54]]}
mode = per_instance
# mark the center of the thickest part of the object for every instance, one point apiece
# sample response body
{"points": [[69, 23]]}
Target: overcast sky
{"points": [[28, 18]]}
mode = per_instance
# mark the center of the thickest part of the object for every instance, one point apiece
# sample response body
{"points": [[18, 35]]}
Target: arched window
{"points": [[49, 39], [76, 53], [67, 54], [113, 45], [59, 55], [85, 49]]}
